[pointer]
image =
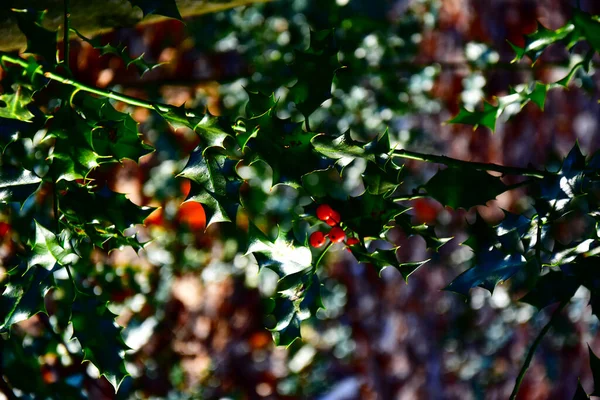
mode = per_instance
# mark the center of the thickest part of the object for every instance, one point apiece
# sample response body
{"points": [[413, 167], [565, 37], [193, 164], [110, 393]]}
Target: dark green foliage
{"points": [[95, 328], [40, 41], [23, 294], [464, 187], [491, 267], [66, 217]]}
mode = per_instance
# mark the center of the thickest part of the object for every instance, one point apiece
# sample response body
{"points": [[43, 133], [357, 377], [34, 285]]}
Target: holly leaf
{"points": [[23, 294], [311, 300], [486, 117], [551, 288], [325, 183], [213, 131], [491, 267], [14, 105], [74, 155], [510, 233], [214, 184], [47, 250], [101, 215], [380, 259], [259, 104], [589, 26], [114, 134], [17, 184], [100, 337], [287, 328], [120, 51], [315, 69], [382, 180], [278, 141], [537, 42], [344, 149], [427, 232], [40, 40], [168, 8], [464, 187], [283, 255], [561, 188], [368, 215]]}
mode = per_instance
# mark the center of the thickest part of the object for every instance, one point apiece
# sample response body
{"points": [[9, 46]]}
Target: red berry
{"points": [[334, 218], [317, 239], [352, 241], [337, 234], [324, 212]]}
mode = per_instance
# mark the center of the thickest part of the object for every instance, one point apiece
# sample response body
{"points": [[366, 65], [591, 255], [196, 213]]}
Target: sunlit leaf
{"points": [[23, 295]]}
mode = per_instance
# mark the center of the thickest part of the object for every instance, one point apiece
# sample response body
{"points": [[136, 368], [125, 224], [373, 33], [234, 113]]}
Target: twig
{"points": [[67, 16], [90, 89], [322, 255], [533, 348], [453, 162]]}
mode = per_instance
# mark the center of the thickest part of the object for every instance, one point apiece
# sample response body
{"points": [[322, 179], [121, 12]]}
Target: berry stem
{"points": [[325, 250]]}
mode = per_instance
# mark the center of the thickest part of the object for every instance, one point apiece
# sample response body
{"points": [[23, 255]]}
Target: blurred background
{"points": [[192, 303]]}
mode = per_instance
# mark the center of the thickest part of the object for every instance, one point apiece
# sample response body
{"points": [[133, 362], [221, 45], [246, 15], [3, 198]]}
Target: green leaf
{"points": [[595, 367], [213, 131], [283, 255], [102, 215], [288, 335], [14, 105], [17, 184], [325, 183], [551, 288], [590, 27], [538, 41], [168, 8], [314, 69], [100, 337], [40, 40], [311, 300], [121, 51], [47, 251], [259, 104], [279, 142], [368, 215], [509, 233], [491, 267], [486, 118], [521, 95], [342, 148], [74, 155], [427, 232], [215, 184], [563, 187], [114, 134], [464, 187], [380, 259], [382, 180], [23, 294]]}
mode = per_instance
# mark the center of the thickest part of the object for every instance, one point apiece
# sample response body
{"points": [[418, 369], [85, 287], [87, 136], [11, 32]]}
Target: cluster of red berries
{"points": [[336, 234]]}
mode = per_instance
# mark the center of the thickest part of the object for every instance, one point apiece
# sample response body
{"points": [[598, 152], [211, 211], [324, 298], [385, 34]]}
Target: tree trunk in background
{"points": [[92, 17]]}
